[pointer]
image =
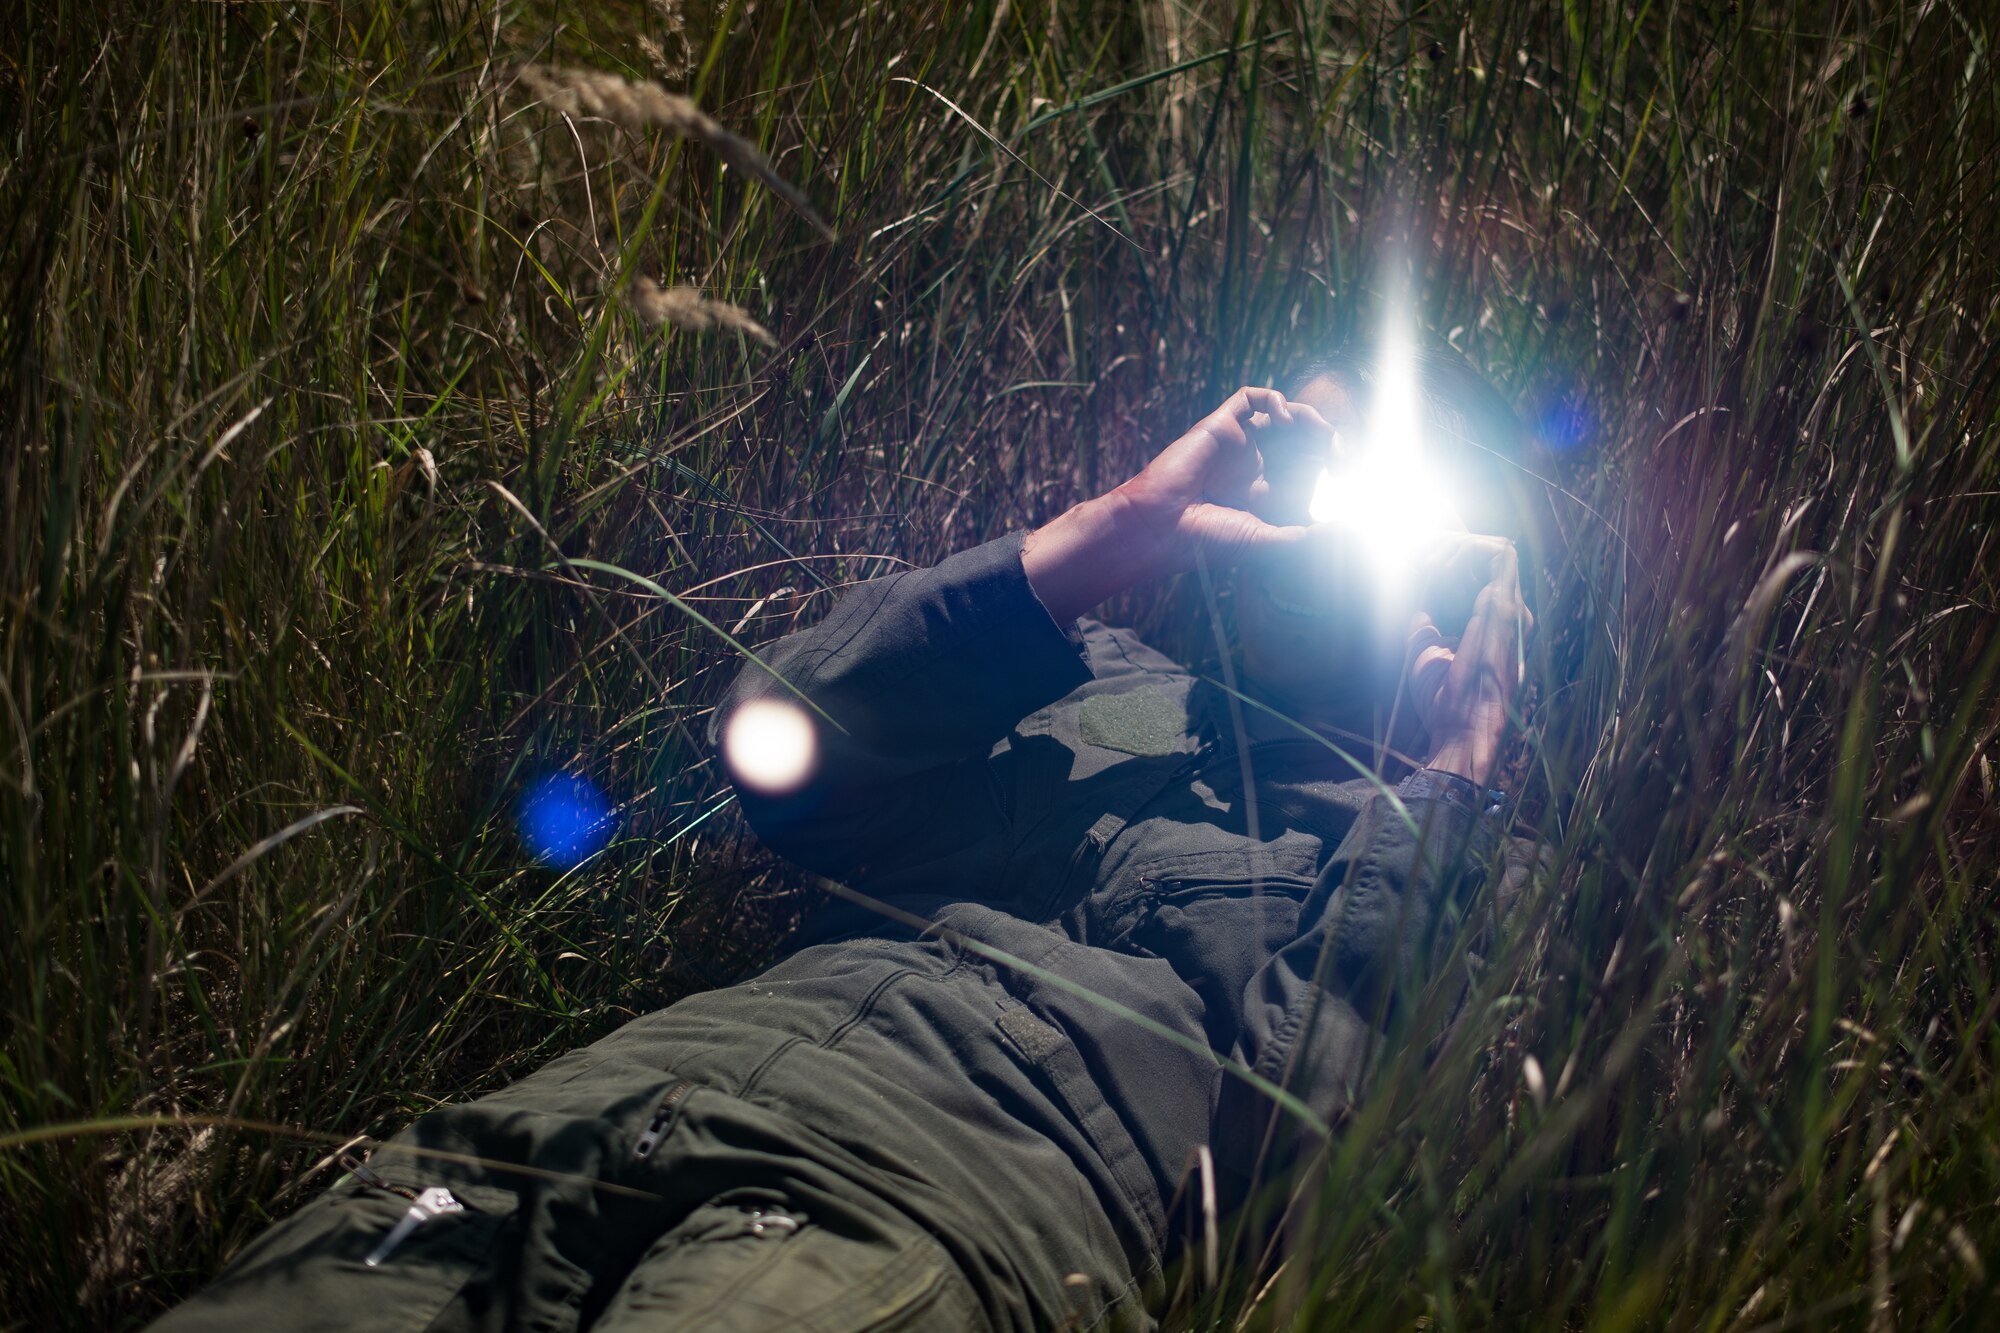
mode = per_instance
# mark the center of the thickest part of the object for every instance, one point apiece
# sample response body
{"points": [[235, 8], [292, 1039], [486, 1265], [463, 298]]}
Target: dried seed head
{"points": [[640, 106], [634, 106], [657, 57], [1968, 1253], [672, 57], [686, 308]]}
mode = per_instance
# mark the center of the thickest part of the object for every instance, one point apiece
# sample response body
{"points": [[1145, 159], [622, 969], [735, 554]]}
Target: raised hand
{"points": [[1198, 494], [1462, 690], [1195, 500]]}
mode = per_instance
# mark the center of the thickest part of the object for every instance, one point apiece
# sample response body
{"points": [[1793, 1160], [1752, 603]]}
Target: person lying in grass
{"points": [[1113, 938]]}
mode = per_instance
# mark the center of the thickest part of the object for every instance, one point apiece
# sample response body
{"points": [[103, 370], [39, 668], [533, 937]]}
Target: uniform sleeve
{"points": [[924, 672], [1316, 1014]]}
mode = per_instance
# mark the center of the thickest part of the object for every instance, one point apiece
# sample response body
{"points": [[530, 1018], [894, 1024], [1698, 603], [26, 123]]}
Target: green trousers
{"points": [[761, 1232], [877, 1134]]}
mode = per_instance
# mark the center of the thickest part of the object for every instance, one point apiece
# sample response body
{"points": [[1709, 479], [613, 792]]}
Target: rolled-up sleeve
{"points": [[915, 678]]}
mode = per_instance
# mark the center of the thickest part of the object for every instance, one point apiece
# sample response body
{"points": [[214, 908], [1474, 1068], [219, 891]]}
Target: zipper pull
{"points": [[369, 1176], [433, 1202], [656, 1129], [765, 1224]]}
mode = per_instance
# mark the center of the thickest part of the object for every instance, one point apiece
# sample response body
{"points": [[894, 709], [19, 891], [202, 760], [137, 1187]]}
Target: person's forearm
{"points": [[1092, 552], [923, 667], [1468, 757], [912, 678]]}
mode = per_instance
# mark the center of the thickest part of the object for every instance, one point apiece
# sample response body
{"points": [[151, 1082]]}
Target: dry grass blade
{"points": [[638, 106], [685, 307], [264, 846]]}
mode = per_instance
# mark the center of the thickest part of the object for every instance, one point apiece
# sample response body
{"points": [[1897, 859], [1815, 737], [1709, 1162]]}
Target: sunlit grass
{"points": [[349, 451]]}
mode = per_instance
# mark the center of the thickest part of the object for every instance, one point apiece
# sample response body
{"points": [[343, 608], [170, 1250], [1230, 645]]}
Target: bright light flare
{"points": [[1391, 499], [770, 746], [1385, 492]]}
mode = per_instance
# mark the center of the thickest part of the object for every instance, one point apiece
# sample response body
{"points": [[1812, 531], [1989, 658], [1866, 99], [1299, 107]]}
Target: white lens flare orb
{"points": [[770, 746]]}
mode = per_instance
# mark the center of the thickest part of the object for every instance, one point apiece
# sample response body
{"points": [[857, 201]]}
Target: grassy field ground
{"points": [[351, 480]]}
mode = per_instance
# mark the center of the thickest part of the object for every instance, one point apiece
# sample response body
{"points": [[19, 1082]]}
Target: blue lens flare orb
{"points": [[1563, 421], [565, 819]]}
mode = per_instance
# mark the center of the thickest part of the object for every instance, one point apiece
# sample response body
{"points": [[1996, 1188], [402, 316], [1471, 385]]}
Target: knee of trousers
{"points": [[543, 1212], [562, 1183]]}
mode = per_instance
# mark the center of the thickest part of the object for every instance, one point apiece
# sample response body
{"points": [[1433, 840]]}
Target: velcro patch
{"points": [[1035, 1039], [1140, 722]]}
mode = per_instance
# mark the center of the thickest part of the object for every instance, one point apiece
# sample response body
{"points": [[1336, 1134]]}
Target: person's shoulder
{"points": [[1114, 652]]}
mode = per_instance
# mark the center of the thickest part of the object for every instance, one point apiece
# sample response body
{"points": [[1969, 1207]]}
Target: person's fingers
{"points": [[1233, 476], [1247, 412], [1270, 402], [1299, 424], [1471, 667], [1227, 427], [1220, 462], [1427, 660], [1480, 555], [1305, 414], [1466, 574], [1492, 622], [1224, 533], [1430, 674], [1488, 657], [1230, 420], [1454, 566], [1422, 634]]}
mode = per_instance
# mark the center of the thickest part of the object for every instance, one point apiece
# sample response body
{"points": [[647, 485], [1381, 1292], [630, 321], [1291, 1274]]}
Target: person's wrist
{"points": [[1090, 552], [1142, 522], [1461, 757]]}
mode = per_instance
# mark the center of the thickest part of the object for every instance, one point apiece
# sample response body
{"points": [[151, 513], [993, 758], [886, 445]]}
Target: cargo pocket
{"points": [[312, 1271], [749, 1261]]}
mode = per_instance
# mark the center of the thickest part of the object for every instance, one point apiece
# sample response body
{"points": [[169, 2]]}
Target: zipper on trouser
{"points": [[434, 1202], [663, 1116]]}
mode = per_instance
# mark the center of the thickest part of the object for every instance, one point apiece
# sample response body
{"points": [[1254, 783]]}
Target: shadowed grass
{"points": [[294, 297]]}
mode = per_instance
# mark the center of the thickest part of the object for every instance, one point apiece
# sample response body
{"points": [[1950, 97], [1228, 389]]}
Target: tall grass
{"points": [[336, 386]]}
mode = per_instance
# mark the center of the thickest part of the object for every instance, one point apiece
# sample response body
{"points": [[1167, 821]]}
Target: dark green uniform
{"points": [[894, 1128]]}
